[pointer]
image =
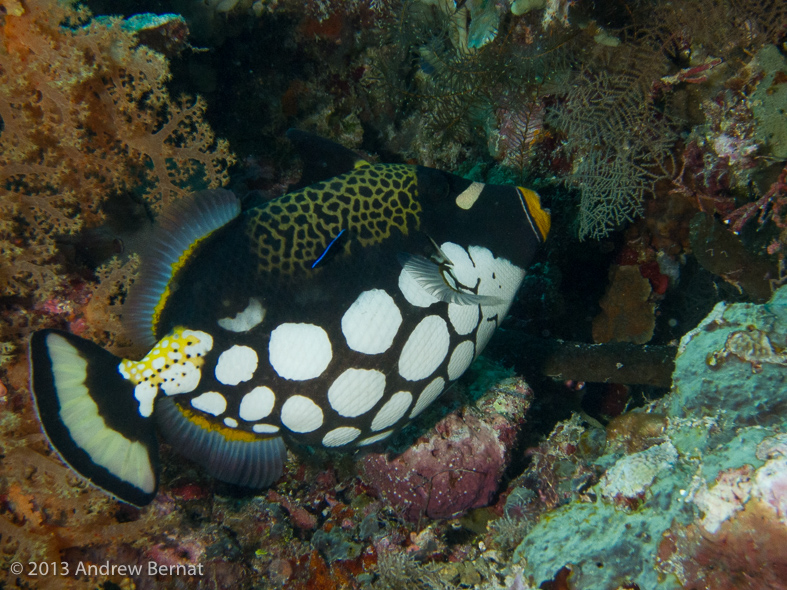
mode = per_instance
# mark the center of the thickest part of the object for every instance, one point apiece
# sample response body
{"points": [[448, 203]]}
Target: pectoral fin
{"points": [[435, 280]]}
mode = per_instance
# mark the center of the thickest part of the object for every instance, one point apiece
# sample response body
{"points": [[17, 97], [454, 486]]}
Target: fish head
{"points": [[508, 219]]}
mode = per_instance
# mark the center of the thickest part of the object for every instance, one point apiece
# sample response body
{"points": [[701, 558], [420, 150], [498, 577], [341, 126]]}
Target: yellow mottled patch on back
{"points": [[370, 203], [227, 433], [173, 364]]}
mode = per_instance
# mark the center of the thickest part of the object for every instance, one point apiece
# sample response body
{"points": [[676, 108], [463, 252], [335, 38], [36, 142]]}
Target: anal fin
{"points": [[89, 413]]}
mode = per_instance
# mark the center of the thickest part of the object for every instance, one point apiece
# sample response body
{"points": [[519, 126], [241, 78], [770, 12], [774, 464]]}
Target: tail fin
{"points": [[91, 417]]}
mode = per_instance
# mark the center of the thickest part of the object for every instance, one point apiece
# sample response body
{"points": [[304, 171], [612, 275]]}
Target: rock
{"points": [[457, 466]]}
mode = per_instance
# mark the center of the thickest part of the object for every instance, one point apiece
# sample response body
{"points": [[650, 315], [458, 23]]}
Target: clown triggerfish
{"points": [[330, 316]]}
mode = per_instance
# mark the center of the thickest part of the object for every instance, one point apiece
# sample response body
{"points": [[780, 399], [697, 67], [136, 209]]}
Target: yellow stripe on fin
{"points": [[181, 229], [229, 454], [230, 434]]}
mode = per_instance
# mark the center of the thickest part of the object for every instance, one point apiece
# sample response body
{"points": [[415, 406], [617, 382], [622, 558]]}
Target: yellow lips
{"points": [[540, 216]]}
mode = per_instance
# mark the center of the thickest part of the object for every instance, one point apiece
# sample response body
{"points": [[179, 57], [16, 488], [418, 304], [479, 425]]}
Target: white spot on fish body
{"points": [[201, 342], [428, 395], [179, 378], [484, 335], [356, 391], [300, 414], [257, 404], [247, 319], [499, 278], [464, 318], [376, 438], [210, 402], [299, 351], [425, 349], [371, 322], [340, 436], [462, 266], [145, 393], [392, 410], [413, 291], [461, 359], [236, 364]]}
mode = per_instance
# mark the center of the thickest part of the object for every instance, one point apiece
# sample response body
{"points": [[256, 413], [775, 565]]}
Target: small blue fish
{"points": [[328, 247], [257, 338]]}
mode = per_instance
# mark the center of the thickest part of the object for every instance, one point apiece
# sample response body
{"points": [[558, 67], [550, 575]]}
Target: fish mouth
{"points": [[540, 216]]}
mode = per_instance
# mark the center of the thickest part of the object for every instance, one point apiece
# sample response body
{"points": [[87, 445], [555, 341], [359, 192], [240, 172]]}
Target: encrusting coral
{"points": [[693, 493], [627, 312]]}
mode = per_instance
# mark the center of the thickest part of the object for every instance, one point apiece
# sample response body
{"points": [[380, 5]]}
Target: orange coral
{"points": [[85, 116], [627, 313]]}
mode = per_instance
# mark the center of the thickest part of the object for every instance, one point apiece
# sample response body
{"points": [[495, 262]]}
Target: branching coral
{"points": [[85, 116], [621, 117], [459, 91], [42, 511], [621, 146]]}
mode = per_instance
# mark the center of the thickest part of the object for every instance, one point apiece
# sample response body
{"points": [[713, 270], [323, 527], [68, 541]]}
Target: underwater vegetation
{"points": [[655, 132], [86, 118], [614, 96]]}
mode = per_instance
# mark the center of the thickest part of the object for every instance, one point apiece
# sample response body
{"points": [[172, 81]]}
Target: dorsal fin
{"points": [[322, 158], [179, 229]]}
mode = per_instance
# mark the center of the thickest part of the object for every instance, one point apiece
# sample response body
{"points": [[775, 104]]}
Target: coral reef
{"points": [[620, 142], [723, 254], [711, 476], [459, 464], [653, 131], [627, 312], [769, 102], [469, 86], [86, 117]]}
